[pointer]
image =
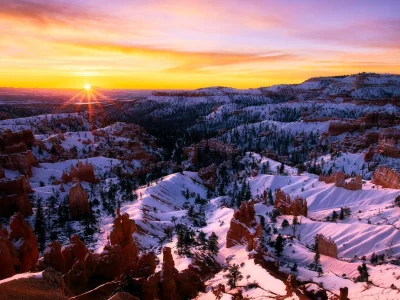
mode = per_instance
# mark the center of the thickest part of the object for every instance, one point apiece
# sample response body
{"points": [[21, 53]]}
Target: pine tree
{"points": [[234, 275], [364, 275], [316, 260], [40, 225], [279, 245], [270, 198], [213, 243], [285, 223], [341, 214], [202, 238]]}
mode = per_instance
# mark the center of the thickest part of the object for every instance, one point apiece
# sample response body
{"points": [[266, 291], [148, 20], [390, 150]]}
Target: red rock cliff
{"points": [[244, 228], [78, 201], [326, 246], [283, 203], [387, 177], [84, 172], [14, 197]]}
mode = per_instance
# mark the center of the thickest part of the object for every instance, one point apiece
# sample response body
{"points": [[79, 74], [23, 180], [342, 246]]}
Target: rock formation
{"points": [[49, 286], [25, 243], [209, 176], [2, 173], [21, 161], [14, 197], [326, 246], [75, 251], [54, 258], [387, 177], [9, 138], [342, 180], [286, 206], [121, 235], [78, 200], [84, 172], [8, 256], [244, 228]]}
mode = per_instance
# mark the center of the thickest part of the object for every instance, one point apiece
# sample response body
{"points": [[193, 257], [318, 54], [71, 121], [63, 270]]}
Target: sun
{"points": [[87, 86]]}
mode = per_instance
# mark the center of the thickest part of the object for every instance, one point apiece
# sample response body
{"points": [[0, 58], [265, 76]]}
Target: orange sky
{"points": [[191, 44]]}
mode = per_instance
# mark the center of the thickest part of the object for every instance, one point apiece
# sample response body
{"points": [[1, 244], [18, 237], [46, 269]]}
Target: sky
{"points": [[170, 44]]}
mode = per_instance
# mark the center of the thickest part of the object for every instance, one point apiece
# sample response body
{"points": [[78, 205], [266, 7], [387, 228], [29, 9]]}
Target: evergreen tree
{"points": [[341, 214], [285, 223], [279, 245], [364, 275], [40, 225], [202, 238], [234, 275], [270, 198], [213, 243]]}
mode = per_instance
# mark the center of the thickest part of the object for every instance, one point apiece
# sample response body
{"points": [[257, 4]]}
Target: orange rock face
{"points": [[84, 172], [54, 258], [78, 201], [75, 251], [14, 197], [21, 161], [9, 138], [342, 180], [8, 256], [244, 228], [25, 243], [209, 176], [122, 235], [387, 177], [326, 246], [286, 206]]}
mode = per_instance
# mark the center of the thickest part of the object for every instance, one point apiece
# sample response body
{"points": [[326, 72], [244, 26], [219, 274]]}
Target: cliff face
{"points": [[342, 180], [209, 176], [21, 161], [326, 246], [244, 228], [78, 201], [14, 197], [286, 206], [386, 177], [9, 138], [122, 235], [84, 172], [24, 242]]}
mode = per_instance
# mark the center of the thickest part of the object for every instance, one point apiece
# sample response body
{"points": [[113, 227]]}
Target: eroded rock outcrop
{"points": [[54, 258], [21, 161], [286, 206], [24, 242], [14, 196], [84, 172], [387, 177], [326, 246], [9, 138], [121, 235], [8, 256], [244, 228], [78, 201], [342, 180], [209, 176]]}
